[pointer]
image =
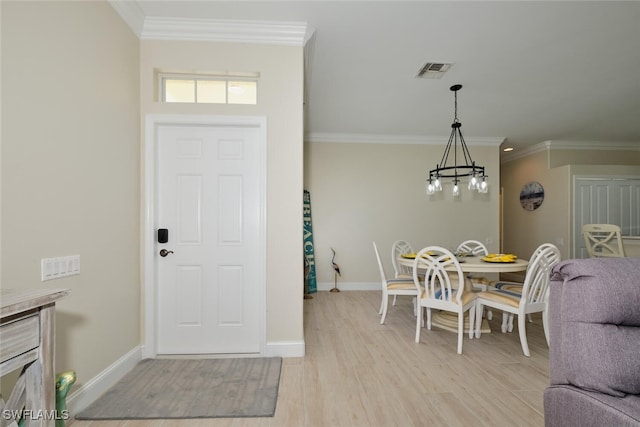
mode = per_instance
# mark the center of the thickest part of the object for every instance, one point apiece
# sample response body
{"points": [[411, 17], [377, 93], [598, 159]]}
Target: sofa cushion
{"points": [[568, 406], [596, 344]]}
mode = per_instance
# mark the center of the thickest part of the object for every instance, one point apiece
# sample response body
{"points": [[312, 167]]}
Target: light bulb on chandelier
{"points": [[473, 183], [456, 189]]}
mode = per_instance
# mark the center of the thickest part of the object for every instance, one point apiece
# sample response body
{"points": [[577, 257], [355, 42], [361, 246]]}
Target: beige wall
{"points": [[76, 85], [553, 221], [280, 89], [364, 192], [523, 230], [70, 168]]}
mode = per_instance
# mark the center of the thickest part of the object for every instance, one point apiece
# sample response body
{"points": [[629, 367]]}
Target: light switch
{"points": [[53, 268]]}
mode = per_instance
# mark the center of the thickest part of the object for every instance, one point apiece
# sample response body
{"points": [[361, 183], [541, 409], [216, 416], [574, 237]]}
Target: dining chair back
{"points": [[442, 290], [472, 247], [603, 241], [475, 248], [395, 286], [398, 248], [517, 286], [533, 297], [512, 286]]}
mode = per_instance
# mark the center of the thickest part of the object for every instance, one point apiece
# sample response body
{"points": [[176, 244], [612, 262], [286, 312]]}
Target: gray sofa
{"points": [[594, 353]]}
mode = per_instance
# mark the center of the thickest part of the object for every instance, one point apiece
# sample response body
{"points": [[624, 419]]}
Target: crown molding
{"points": [[527, 151], [361, 138], [213, 30], [569, 145], [131, 14], [229, 31], [593, 145]]}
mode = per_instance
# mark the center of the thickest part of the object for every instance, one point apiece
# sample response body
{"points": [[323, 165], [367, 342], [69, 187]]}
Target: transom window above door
{"points": [[206, 89]]}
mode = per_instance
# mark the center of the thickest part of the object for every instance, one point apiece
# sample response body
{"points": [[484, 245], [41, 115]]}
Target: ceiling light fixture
{"points": [[477, 180]]}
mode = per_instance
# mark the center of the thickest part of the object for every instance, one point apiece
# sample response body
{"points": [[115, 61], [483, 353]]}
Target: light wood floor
{"points": [[357, 372]]}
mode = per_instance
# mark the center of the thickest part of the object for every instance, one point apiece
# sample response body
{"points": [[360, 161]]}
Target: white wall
{"points": [[361, 192], [70, 171]]}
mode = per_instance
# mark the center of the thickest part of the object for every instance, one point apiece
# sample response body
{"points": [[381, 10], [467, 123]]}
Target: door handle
{"points": [[164, 252]]}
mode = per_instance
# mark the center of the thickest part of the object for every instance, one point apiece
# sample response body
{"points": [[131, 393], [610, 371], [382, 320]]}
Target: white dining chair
{"points": [[395, 286], [442, 290], [398, 248], [516, 287], [603, 241], [532, 299], [475, 248]]}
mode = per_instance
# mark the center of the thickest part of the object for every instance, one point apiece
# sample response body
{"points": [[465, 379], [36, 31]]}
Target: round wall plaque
{"points": [[531, 196]]}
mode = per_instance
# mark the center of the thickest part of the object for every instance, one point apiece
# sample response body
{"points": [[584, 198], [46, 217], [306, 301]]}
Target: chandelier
{"points": [[477, 177]]}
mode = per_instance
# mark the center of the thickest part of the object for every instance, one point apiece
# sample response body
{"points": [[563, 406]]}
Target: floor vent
{"points": [[433, 70]]}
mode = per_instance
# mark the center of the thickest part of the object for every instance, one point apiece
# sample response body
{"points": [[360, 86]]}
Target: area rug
{"points": [[188, 388]]}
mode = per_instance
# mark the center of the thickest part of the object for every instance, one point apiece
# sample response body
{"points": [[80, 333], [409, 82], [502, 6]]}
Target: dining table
{"points": [[469, 264]]}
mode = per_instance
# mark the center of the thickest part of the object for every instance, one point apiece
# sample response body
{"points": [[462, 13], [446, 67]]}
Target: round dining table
{"points": [[469, 264], [475, 264]]}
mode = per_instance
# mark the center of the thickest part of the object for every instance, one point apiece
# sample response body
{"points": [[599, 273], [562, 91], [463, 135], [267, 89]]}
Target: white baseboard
{"points": [[284, 349], [350, 286], [94, 388]]}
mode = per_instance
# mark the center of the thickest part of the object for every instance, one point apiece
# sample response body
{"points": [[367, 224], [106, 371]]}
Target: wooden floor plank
{"points": [[357, 372]]}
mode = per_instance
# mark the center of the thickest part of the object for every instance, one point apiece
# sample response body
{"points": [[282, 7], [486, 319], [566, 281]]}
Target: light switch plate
{"points": [[54, 268]]}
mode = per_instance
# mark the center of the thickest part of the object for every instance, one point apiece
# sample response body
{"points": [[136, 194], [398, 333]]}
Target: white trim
{"points": [[569, 145], [213, 30], [285, 349], [216, 30], [152, 121], [593, 145], [349, 286], [131, 14], [520, 153], [91, 390], [227, 31], [397, 139]]}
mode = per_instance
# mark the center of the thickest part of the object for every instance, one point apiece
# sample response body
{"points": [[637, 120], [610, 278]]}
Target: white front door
{"points": [[209, 199]]}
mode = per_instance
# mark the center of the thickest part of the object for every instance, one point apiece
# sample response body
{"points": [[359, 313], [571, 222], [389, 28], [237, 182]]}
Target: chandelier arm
{"points": [[445, 155], [455, 131], [465, 150]]}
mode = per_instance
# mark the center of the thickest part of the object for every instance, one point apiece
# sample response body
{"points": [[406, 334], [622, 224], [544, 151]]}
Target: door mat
{"points": [[192, 388]]}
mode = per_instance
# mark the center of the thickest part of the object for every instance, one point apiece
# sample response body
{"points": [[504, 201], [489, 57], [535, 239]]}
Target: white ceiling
{"points": [[531, 71]]}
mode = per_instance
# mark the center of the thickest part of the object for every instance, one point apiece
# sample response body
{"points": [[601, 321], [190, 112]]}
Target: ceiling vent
{"points": [[433, 70]]}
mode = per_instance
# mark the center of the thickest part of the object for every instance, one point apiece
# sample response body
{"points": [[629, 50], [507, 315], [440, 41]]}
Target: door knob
{"points": [[164, 252]]}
